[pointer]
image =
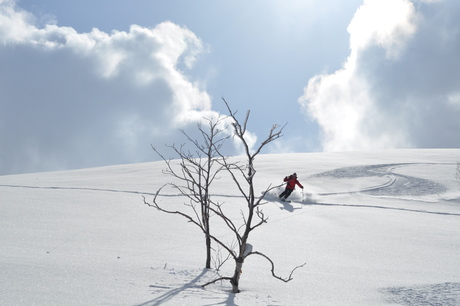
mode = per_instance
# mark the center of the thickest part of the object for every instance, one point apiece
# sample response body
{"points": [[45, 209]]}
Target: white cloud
{"points": [[454, 99], [394, 89], [70, 99], [387, 24]]}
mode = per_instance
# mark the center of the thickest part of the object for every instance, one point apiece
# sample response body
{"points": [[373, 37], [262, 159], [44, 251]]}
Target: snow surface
{"points": [[379, 228]]}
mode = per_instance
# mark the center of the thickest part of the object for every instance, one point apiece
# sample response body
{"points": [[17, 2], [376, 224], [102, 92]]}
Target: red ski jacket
{"points": [[291, 182]]}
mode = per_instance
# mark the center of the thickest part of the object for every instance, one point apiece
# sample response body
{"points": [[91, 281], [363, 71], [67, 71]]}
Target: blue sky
{"points": [[92, 83]]}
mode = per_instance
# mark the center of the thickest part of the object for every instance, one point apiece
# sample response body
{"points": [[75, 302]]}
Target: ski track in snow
{"points": [[396, 185], [445, 294], [391, 208]]}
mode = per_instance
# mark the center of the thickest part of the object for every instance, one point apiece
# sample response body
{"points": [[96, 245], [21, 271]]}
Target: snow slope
{"points": [[380, 228]]}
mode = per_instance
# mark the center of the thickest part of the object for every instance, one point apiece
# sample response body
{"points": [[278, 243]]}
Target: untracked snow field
{"points": [[373, 228]]}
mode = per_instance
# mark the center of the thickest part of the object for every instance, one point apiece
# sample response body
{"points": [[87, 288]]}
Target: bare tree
{"points": [[196, 173], [254, 216], [242, 174]]}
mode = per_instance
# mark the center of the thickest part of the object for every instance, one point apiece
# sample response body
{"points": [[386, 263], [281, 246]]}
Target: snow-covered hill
{"points": [[380, 228]]}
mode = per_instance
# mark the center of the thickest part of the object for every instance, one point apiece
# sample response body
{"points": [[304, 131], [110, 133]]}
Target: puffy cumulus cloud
{"points": [[400, 85], [71, 99], [386, 24]]}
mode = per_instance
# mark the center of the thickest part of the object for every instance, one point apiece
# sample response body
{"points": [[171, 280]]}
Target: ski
{"points": [[286, 201]]}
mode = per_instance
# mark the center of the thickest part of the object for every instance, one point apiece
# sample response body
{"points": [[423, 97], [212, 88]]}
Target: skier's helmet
{"points": [[295, 175]]}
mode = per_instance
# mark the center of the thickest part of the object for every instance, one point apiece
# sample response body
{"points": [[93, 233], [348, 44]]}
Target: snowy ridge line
{"points": [[389, 208], [77, 188], [109, 190]]}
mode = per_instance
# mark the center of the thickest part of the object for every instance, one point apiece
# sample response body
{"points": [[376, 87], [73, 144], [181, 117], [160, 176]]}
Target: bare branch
{"points": [[218, 211], [216, 280], [218, 260], [264, 193], [246, 122], [189, 218], [275, 133], [227, 248], [231, 167], [262, 218], [288, 279], [155, 205]]}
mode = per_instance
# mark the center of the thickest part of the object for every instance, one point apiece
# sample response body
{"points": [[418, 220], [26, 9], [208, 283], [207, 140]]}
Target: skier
{"points": [[290, 186]]}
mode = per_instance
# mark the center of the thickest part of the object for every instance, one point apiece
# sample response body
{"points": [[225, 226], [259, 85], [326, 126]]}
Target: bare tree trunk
{"points": [[208, 246], [235, 280]]}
